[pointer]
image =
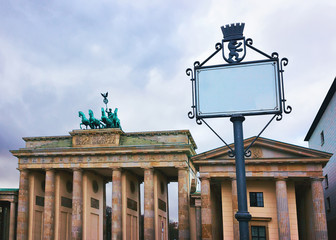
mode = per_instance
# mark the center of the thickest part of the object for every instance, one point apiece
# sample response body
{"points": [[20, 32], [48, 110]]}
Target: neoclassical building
{"points": [[62, 183], [284, 191], [62, 187]]}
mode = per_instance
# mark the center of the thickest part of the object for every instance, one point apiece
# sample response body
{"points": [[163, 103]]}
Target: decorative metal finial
{"points": [[105, 98], [233, 40], [233, 31]]}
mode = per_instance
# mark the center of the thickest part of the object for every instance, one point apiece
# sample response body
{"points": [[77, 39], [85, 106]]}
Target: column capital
{"points": [[204, 177], [49, 169], [23, 169], [77, 169], [116, 168], [281, 178], [148, 169], [182, 168], [317, 179]]}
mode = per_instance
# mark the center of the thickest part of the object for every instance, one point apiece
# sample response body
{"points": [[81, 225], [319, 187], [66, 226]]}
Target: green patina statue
{"points": [[109, 121], [94, 123], [85, 121]]}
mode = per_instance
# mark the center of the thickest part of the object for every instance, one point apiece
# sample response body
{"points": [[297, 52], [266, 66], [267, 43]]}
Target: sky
{"points": [[56, 57]]}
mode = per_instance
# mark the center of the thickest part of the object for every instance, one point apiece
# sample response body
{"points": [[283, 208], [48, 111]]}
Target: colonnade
{"points": [[77, 216], [283, 218], [8, 201]]}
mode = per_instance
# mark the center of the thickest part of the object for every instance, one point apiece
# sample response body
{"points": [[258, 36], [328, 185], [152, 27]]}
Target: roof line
{"points": [[260, 139], [322, 109]]}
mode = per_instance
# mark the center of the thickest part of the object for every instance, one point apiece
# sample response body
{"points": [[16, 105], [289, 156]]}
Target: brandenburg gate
{"points": [[62, 183]]}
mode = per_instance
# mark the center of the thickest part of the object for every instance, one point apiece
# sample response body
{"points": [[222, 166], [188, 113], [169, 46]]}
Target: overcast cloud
{"points": [[56, 57]]}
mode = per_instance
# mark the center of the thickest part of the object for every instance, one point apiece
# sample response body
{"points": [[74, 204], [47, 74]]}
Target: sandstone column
{"points": [[77, 205], [104, 211], [320, 223], [12, 221], [235, 208], [149, 218], [206, 209], [183, 203], [282, 209], [116, 220], [49, 205], [23, 207], [198, 219]]}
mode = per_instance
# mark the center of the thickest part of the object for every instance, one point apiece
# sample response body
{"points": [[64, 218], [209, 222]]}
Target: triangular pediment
{"points": [[264, 148]]}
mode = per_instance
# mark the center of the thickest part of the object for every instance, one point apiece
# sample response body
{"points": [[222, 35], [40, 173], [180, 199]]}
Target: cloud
{"points": [[56, 58]]}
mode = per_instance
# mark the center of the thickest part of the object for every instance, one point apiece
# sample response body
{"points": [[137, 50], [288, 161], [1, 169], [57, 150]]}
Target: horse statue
{"points": [[108, 122], [94, 123], [115, 119], [85, 121]]}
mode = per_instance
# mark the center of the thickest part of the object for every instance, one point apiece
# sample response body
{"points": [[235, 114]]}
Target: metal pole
{"points": [[243, 216]]}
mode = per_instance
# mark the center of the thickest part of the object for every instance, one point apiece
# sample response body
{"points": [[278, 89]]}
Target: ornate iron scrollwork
{"points": [[286, 109], [234, 49], [190, 73]]}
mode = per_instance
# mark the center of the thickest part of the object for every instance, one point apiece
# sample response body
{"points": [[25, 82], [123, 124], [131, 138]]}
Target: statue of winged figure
{"points": [[105, 97]]}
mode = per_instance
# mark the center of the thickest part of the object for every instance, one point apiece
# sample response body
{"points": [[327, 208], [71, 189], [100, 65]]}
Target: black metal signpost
{"points": [[238, 89]]}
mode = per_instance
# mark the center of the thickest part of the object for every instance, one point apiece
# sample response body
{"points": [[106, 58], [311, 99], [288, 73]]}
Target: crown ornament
{"points": [[233, 31]]}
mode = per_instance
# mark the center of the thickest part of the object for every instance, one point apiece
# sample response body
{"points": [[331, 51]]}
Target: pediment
{"points": [[265, 148]]}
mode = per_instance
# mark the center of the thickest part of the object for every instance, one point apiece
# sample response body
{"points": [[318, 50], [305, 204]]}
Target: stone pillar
{"points": [[23, 207], [320, 223], [49, 205], [104, 211], [235, 208], [116, 221], [149, 218], [183, 203], [198, 219], [206, 209], [282, 209], [77, 205], [12, 221]]}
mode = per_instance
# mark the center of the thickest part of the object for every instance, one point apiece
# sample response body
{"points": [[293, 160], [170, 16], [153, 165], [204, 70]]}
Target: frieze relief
{"points": [[98, 160], [96, 139], [257, 152]]}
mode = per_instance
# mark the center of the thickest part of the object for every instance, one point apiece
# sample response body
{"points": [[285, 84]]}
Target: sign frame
{"points": [[237, 67]]}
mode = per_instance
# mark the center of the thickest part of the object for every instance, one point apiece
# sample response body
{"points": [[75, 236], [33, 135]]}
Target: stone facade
{"points": [[62, 187], [287, 180], [61, 182]]}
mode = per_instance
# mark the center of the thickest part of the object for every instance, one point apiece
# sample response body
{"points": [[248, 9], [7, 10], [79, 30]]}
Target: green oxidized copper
{"points": [[109, 121], [85, 121], [94, 122]]}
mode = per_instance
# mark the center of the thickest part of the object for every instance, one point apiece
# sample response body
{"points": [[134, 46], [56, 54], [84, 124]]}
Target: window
{"points": [[326, 181], [258, 232], [322, 138], [256, 199], [328, 204]]}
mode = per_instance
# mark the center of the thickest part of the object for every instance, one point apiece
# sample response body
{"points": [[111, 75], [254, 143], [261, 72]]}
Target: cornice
{"points": [[117, 150], [26, 139], [267, 161], [265, 142]]}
